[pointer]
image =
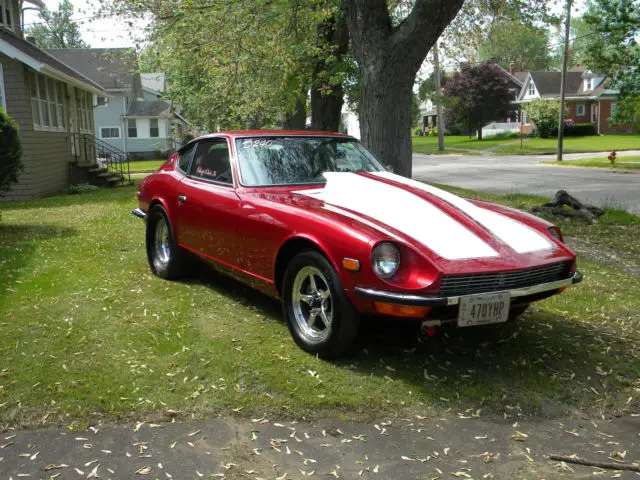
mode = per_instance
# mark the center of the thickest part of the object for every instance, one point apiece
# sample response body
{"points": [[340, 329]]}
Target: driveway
{"points": [[525, 174]]}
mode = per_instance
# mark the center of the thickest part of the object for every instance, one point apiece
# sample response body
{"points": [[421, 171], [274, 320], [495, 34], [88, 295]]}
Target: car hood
{"points": [[450, 228]]}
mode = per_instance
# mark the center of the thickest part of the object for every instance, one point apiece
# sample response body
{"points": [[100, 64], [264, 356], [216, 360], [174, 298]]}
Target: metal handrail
{"points": [[102, 154]]}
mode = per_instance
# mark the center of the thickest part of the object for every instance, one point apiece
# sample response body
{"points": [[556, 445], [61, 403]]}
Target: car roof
{"points": [[272, 133]]}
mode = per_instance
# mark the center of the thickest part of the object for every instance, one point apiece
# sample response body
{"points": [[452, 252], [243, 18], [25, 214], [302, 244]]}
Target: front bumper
{"points": [[424, 301], [138, 212]]}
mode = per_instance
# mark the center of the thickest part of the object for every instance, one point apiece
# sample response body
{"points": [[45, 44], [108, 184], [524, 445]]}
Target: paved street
{"points": [[525, 174]]}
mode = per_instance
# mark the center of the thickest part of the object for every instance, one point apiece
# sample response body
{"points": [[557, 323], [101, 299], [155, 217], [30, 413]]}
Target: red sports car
{"points": [[314, 219]]}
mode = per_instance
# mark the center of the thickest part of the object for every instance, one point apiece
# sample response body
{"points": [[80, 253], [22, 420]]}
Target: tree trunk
{"points": [[479, 131], [385, 118], [389, 58], [326, 108], [298, 119]]}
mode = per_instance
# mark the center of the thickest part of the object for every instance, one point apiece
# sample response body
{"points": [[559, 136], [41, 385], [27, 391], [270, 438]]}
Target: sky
{"points": [[97, 32], [113, 32]]}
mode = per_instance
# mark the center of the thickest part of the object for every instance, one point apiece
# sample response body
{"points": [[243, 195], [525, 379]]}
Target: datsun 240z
{"points": [[314, 219]]}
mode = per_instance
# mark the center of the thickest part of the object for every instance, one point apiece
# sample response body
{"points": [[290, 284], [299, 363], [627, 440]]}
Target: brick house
{"points": [[49, 100], [587, 99]]}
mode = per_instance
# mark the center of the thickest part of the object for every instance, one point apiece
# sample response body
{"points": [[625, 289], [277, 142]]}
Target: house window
{"points": [[102, 101], [110, 132], [132, 128], [48, 103], [84, 110], [532, 88], [613, 108], [588, 83], [154, 131], [5, 14], [580, 110]]}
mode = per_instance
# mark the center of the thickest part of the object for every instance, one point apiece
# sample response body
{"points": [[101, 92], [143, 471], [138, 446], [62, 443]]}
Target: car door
{"points": [[208, 205]]}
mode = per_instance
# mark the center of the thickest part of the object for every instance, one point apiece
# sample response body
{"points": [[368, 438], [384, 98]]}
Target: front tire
{"points": [[320, 317], [166, 258]]}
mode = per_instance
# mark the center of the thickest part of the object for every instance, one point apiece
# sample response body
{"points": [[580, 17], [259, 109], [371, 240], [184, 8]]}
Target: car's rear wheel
{"points": [[319, 315], [166, 259]]}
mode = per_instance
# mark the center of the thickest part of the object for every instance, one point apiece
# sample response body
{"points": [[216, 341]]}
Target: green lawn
{"points": [[87, 331], [457, 144], [511, 146], [145, 166], [629, 163], [594, 143]]}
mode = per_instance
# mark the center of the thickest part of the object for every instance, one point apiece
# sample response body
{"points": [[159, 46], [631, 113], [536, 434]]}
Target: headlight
{"points": [[385, 259], [555, 233]]}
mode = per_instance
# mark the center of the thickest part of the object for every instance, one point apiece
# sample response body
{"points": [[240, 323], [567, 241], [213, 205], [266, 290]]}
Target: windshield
{"points": [[299, 160]]}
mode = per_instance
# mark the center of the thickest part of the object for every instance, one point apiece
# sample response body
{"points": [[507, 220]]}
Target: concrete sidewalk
{"points": [[458, 446]]}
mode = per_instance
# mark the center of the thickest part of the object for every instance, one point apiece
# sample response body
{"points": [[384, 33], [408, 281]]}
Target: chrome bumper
{"points": [[138, 212], [407, 299]]}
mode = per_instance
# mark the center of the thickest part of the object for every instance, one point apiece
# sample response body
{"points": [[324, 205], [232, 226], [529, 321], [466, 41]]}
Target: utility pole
{"points": [[436, 74], [563, 79]]}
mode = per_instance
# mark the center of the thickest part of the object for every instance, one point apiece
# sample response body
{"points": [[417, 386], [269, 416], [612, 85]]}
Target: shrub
{"points": [[82, 188], [544, 113], [418, 131], [10, 152], [433, 132], [581, 130]]}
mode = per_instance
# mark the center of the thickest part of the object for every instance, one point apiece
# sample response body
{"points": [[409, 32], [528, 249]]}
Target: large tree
{"points": [[523, 44], [389, 56], [477, 95], [57, 29], [615, 50]]}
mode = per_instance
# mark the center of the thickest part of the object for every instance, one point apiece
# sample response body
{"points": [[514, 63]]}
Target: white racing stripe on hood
{"points": [[520, 237], [404, 212]]}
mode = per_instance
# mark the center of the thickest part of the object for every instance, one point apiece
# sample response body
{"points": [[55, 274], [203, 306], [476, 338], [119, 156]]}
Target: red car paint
{"points": [[242, 230]]}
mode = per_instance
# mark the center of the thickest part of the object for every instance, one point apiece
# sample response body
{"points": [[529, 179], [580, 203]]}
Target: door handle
{"points": [[182, 198]]}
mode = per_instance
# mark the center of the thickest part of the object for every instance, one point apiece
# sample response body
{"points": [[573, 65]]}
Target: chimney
{"points": [[31, 40], [512, 68]]}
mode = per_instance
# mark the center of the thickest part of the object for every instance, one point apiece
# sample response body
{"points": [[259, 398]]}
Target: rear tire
{"points": [[320, 316], [166, 259]]}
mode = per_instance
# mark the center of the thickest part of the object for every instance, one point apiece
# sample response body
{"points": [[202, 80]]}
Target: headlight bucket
{"points": [[556, 233], [385, 260]]}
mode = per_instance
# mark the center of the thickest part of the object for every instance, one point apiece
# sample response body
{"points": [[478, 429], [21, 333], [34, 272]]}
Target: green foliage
{"points": [[81, 188], [58, 29], [417, 131], [523, 44], [544, 112], [10, 152], [614, 50]]}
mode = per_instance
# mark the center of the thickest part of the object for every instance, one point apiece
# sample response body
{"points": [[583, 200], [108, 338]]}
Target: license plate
{"points": [[483, 309]]}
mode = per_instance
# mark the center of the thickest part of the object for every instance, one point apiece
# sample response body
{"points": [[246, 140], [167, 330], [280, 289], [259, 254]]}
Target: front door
{"points": [[593, 113], [208, 205]]}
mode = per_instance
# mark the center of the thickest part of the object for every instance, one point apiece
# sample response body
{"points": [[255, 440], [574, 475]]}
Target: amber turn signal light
{"points": [[401, 310], [351, 264]]}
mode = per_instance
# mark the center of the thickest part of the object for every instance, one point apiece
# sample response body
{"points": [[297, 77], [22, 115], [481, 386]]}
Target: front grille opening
{"points": [[458, 285]]}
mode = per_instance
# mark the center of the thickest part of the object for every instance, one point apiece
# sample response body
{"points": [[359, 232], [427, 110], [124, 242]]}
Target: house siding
{"points": [[111, 116], [605, 114], [46, 155]]}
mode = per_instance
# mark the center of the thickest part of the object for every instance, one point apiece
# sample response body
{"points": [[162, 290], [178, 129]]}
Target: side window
{"points": [[184, 157], [211, 162]]}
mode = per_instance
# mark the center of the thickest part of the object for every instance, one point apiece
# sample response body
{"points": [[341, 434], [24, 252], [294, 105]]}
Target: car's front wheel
{"points": [[166, 258], [319, 315]]}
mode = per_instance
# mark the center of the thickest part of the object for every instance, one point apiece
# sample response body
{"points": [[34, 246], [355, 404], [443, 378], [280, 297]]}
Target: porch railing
{"points": [[88, 149]]}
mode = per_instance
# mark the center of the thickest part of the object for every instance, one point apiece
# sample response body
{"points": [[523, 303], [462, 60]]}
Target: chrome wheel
{"points": [[161, 245], [312, 304]]}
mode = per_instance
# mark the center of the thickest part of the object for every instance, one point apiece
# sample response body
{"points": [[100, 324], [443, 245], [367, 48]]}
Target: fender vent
{"points": [[458, 285]]}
